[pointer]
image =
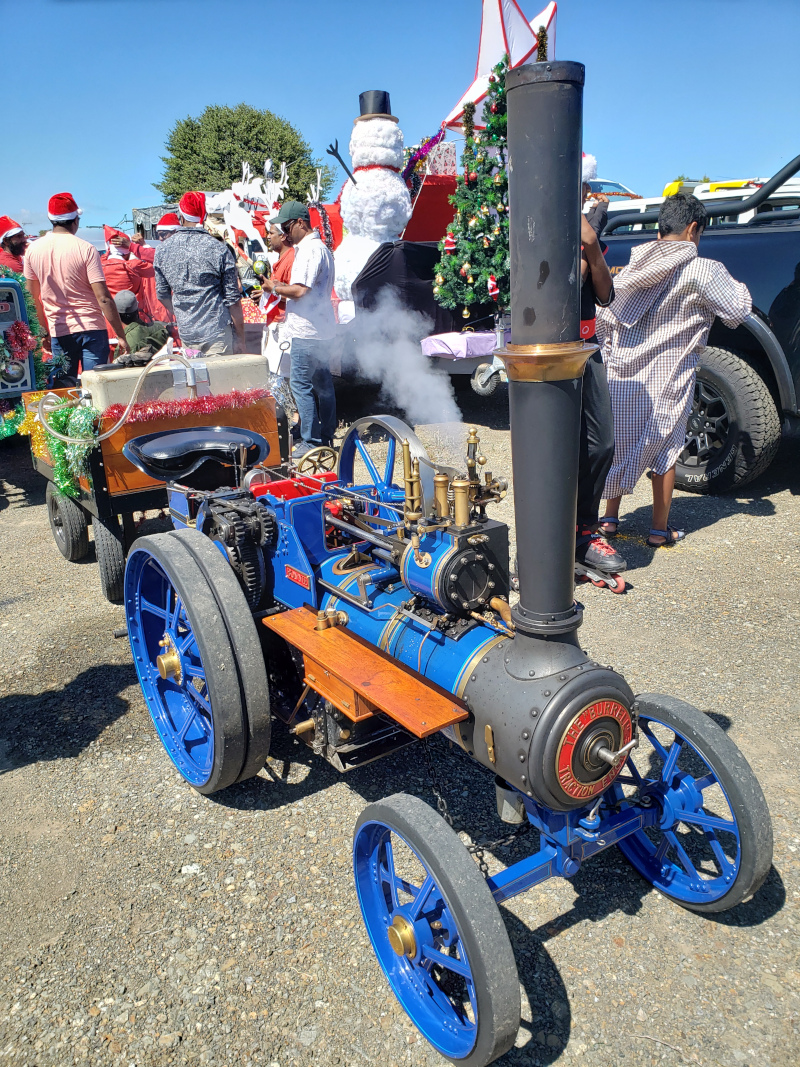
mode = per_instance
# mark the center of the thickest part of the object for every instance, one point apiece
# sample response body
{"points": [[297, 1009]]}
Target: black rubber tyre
{"points": [[486, 388], [734, 428], [467, 896], [69, 524], [741, 788], [244, 641], [109, 547], [214, 645]]}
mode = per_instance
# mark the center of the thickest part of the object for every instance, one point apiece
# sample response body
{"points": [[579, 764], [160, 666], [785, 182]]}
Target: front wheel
{"points": [[707, 840], [483, 384], [436, 930]]}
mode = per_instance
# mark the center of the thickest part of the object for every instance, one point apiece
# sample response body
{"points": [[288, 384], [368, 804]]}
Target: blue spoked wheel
{"points": [[436, 930], [371, 459], [707, 839], [185, 663]]}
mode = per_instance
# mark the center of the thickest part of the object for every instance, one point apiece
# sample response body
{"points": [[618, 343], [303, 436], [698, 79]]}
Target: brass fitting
{"points": [[441, 483], [546, 363], [461, 488]]}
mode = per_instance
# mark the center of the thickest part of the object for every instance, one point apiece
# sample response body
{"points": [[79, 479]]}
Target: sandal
{"points": [[670, 535], [605, 522]]}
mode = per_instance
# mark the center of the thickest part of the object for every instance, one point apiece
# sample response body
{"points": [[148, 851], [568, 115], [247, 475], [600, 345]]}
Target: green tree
{"points": [[473, 270], [208, 152]]}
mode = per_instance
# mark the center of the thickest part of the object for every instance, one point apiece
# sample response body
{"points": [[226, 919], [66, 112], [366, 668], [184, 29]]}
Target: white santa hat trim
{"points": [[68, 217], [588, 167], [188, 218]]}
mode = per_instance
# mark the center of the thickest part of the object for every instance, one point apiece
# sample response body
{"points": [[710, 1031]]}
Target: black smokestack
{"points": [[545, 358]]}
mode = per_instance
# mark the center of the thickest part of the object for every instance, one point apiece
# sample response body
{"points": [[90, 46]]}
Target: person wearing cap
{"points": [[65, 277], [140, 336], [13, 243], [196, 279], [309, 326]]}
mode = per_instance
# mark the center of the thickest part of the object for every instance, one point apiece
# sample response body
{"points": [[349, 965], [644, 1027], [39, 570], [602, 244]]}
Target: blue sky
{"points": [[92, 87]]}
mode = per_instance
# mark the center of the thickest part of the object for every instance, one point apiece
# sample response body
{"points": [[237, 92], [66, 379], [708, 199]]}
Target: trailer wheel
{"points": [[69, 524], [185, 662], [482, 385], [110, 549], [708, 841], [436, 930], [244, 641]]}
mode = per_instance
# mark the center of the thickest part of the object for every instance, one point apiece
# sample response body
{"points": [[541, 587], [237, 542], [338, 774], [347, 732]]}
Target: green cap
{"points": [[291, 210]]}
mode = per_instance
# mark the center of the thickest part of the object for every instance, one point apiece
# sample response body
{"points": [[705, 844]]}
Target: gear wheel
{"points": [[248, 562]]}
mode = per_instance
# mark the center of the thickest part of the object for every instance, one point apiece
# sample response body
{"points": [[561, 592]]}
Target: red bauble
{"points": [[492, 79], [463, 273], [473, 177], [493, 109]]}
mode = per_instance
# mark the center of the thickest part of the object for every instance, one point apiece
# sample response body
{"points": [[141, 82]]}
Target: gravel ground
{"points": [[143, 924]]}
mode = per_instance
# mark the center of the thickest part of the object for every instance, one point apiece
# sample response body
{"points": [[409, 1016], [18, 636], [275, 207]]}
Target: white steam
{"points": [[387, 349]]}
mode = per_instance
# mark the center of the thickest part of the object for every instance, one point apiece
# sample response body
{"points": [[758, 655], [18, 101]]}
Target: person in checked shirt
{"points": [[196, 279], [652, 336]]}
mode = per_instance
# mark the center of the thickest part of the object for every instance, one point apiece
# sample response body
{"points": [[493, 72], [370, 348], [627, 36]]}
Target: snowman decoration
{"points": [[375, 202]]}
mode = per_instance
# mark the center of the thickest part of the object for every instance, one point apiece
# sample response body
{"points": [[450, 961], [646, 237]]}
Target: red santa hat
{"points": [[588, 167], [62, 208], [170, 221], [8, 227], [192, 206]]}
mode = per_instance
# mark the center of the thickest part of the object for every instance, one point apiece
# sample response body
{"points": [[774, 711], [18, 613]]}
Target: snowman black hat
{"points": [[374, 104]]}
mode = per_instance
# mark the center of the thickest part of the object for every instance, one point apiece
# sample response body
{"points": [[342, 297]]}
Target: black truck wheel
{"points": [[68, 523], [109, 547], [734, 428]]}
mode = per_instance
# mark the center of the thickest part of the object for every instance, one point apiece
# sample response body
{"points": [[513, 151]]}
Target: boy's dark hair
{"points": [[679, 211]]}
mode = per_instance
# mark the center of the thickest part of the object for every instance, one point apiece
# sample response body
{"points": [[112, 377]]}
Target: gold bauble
{"points": [[484, 209], [436, 290], [496, 230], [486, 242], [498, 180], [439, 279], [501, 207], [470, 279], [473, 221], [465, 313], [476, 137], [465, 266]]}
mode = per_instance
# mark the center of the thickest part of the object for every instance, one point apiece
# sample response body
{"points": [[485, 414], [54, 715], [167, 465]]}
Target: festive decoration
{"points": [[68, 461], [420, 155], [150, 410], [478, 234], [31, 427], [10, 419], [465, 314]]}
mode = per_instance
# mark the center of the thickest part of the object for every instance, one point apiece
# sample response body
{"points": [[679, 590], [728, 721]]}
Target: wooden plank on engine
{"points": [[361, 680]]}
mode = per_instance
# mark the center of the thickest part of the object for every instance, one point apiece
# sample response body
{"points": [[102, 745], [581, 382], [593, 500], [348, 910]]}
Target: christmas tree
{"points": [[473, 270]]}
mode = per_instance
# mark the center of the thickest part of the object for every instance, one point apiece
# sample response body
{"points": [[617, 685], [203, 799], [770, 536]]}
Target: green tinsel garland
{"points": [[41, 369], [69, 461], [11, 421]]}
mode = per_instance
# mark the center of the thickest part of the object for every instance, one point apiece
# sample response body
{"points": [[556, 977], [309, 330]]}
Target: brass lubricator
{"points": [[441, 484], [461, 487]]}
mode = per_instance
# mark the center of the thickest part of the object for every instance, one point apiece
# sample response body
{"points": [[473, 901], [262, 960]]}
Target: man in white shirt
{"points": [[310, 325]]}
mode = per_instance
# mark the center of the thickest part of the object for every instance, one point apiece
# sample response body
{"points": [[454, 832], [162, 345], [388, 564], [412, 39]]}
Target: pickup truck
{"points": [[748, 380]]}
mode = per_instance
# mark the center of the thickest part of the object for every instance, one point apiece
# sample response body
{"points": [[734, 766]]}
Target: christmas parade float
{"points": [[366, 609], [21, 367]]}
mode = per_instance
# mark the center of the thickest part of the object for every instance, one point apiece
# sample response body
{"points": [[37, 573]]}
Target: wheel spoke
{"points": [[710, 822], [387, 873], [176, 614], [448, 963], [193, 671], [654, 742], [671, 761], [421, 897], [704, 782], [662, 850], [726, 865], [189, 720], [372, 469], [683, 856], [388, 470], [201, 700], [152, 609]]}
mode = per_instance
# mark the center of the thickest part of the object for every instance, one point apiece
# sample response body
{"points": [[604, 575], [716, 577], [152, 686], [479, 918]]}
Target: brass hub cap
{"points": [[401, 937], [169, 662]]}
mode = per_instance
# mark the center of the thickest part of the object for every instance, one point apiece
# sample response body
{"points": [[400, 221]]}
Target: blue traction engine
{"points": [[362, 600]]}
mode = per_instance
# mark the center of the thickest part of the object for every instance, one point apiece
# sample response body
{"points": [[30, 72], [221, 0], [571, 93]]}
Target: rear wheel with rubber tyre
{"points": [[244, 641], [436, 930], [483, 385], [185, 662], [707, 838], [69, 524], [734, 428], [109, 547]]}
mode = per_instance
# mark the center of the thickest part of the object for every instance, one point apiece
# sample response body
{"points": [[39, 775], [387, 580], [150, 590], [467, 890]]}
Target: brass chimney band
{"points": [[546, 363]]}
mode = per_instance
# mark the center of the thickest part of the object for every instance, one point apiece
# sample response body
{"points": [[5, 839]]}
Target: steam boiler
{"points": [[380, 589]]}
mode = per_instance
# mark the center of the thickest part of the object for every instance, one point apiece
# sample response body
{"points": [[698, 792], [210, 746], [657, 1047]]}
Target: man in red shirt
{"points": [[66, 281], [13, 243]]}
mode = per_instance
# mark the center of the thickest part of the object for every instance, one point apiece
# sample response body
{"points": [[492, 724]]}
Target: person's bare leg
{"points": [[611, 512], [663, 486]]}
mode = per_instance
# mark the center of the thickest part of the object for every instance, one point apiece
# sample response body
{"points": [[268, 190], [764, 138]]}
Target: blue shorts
{"points": [[89, 348]]}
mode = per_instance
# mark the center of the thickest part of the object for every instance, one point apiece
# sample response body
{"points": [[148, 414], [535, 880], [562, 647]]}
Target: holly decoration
{"points": [[474, 267]]}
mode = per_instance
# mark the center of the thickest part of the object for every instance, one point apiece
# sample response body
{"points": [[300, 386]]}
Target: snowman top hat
{"points": [[374, 104]]}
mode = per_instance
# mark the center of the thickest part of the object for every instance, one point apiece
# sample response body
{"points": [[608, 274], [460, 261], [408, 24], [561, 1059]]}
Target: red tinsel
{"points": [[20, 340], [150, 410]]}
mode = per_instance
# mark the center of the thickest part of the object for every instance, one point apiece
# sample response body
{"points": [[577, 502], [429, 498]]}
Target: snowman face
{"points": [[377, 141]]}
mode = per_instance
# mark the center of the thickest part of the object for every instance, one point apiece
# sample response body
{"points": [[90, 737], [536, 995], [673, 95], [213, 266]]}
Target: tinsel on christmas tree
{"points": [[473, 270]]}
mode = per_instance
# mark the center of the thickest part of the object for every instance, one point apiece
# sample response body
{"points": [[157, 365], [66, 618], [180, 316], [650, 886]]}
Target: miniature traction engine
{"points": [[369, 605]]}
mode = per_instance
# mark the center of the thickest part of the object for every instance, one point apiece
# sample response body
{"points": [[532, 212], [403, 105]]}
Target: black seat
{"points": [[172, 455]]}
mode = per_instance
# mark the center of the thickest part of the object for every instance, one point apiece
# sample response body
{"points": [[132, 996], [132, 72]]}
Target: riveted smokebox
{"points": [[546, 358]]}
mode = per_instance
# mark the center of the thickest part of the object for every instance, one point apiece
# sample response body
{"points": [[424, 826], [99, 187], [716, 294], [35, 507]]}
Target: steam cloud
{"points": [[387, 350]]}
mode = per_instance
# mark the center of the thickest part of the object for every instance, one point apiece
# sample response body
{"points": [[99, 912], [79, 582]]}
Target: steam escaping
{"points": [[386, 348]]}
